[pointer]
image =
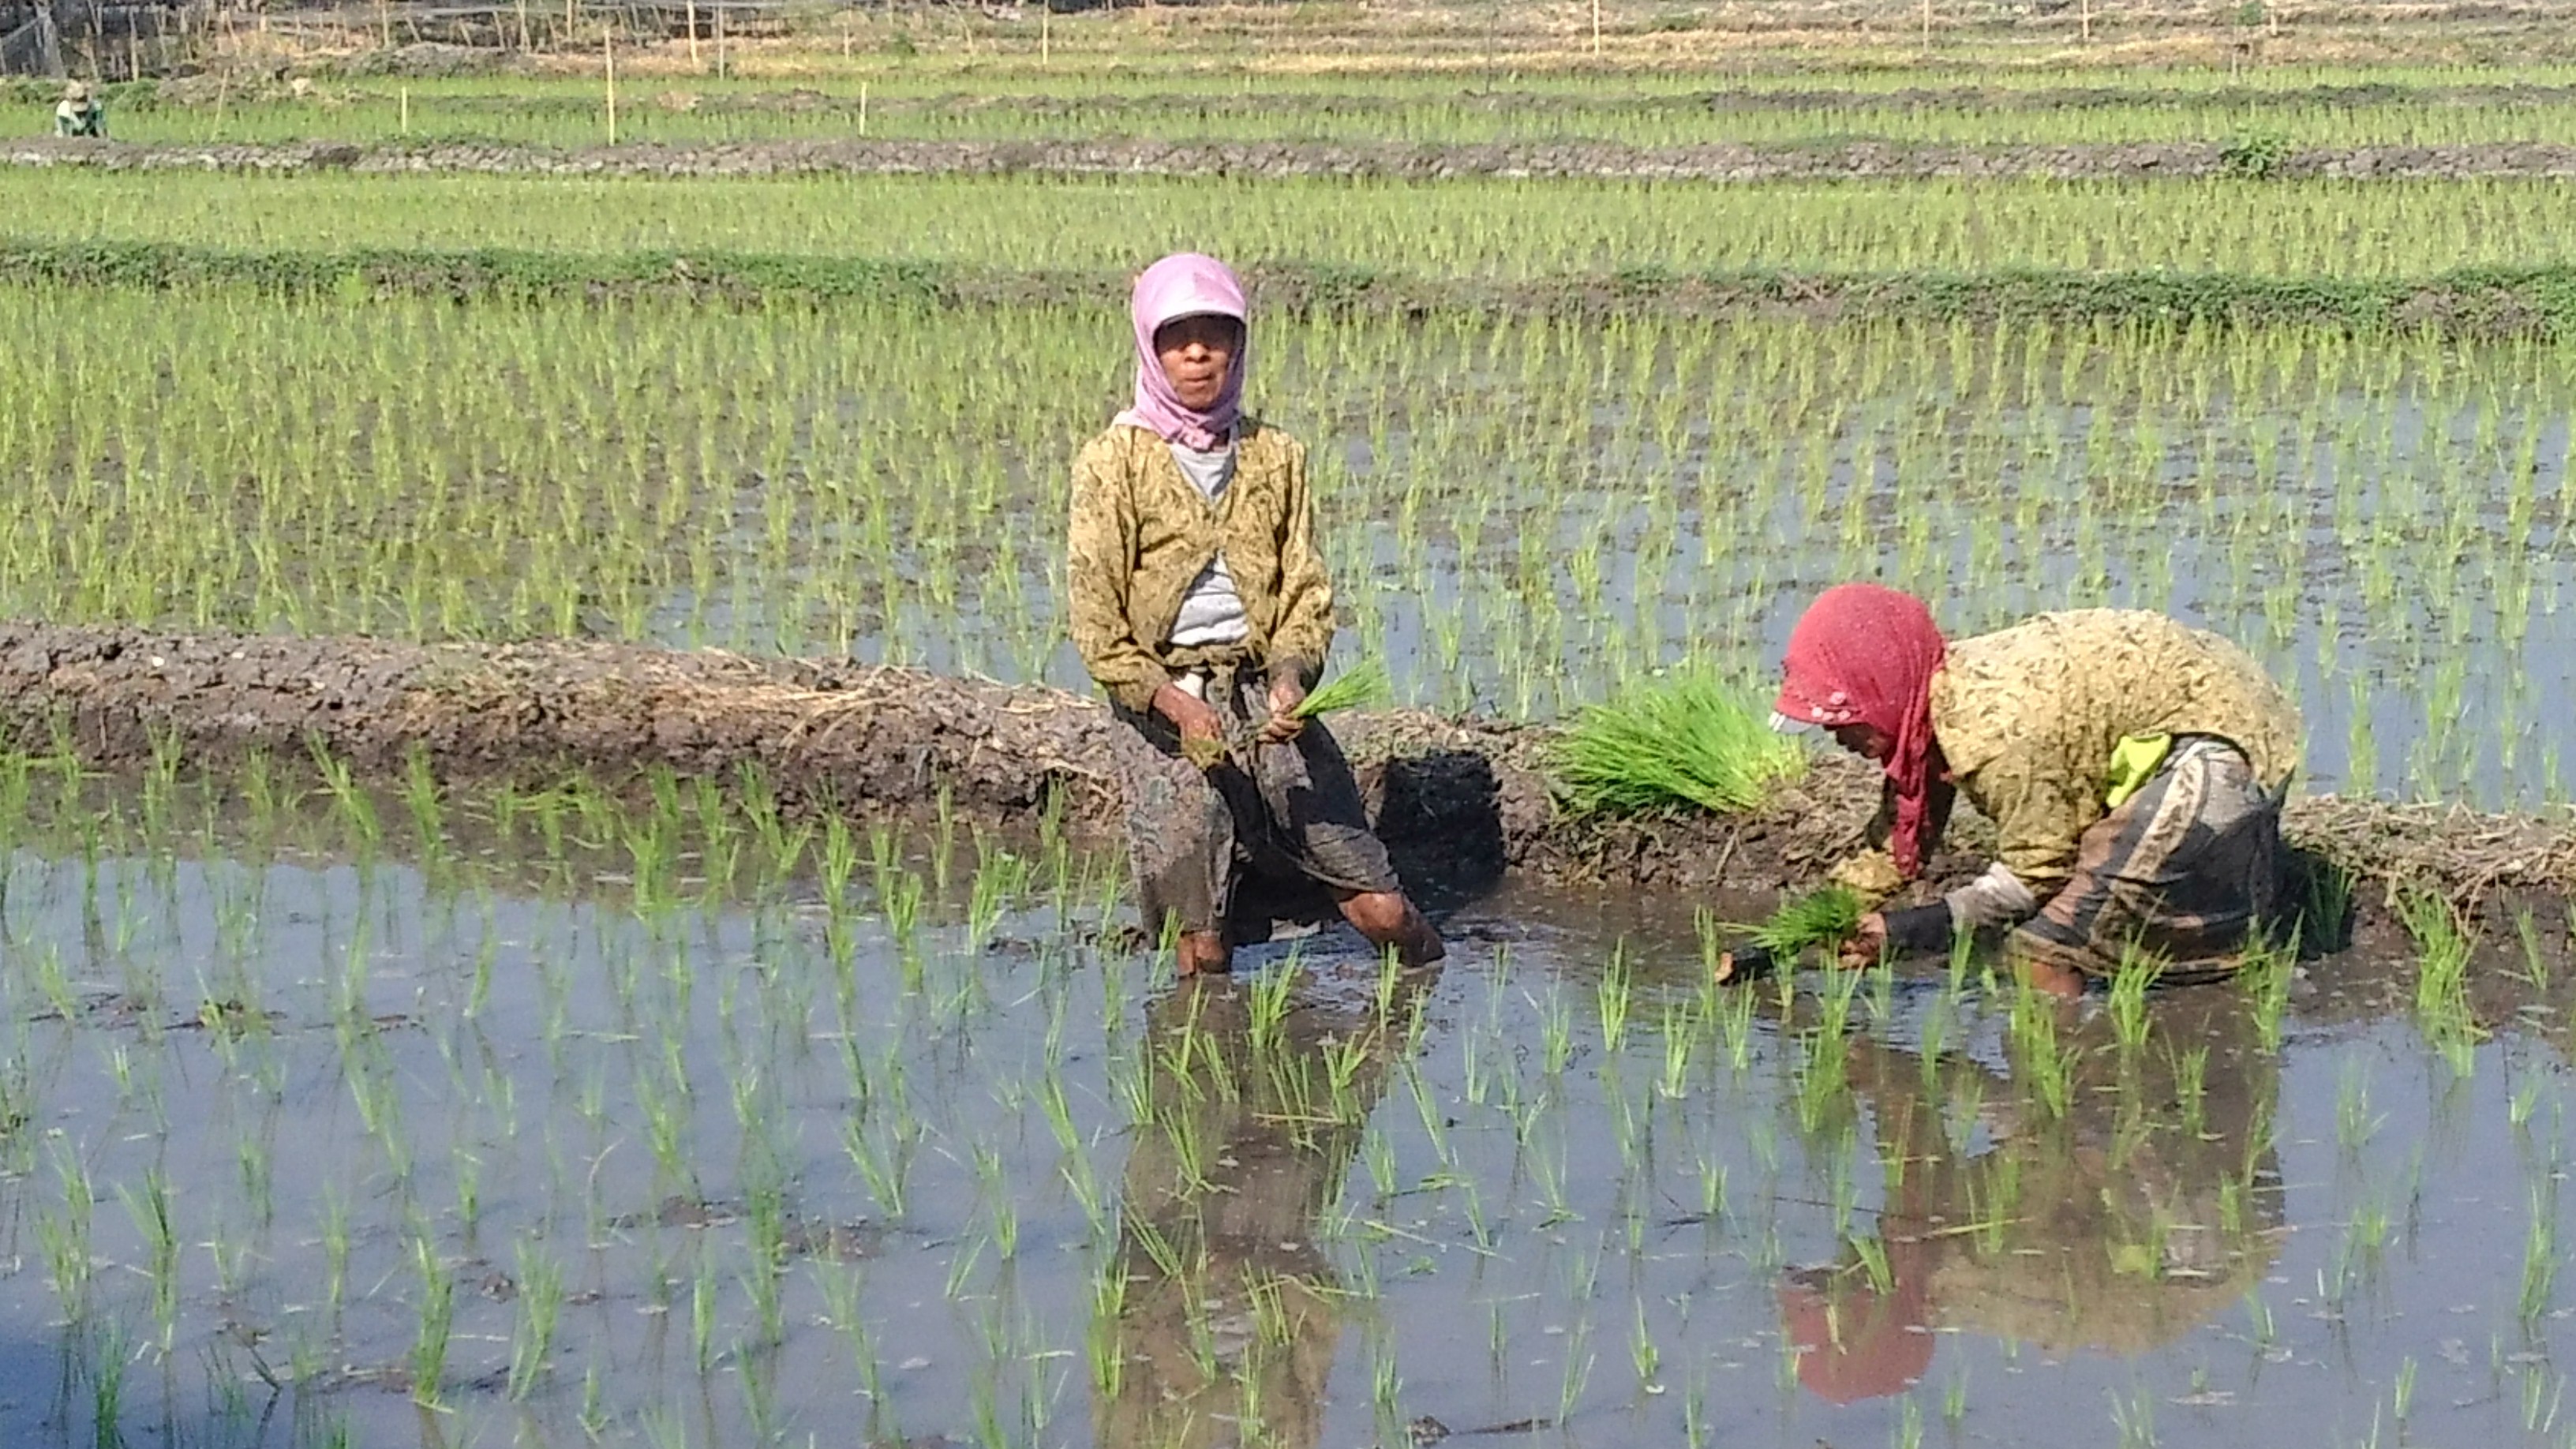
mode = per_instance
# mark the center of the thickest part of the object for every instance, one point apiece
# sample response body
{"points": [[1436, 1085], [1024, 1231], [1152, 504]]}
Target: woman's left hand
{"points": [[1283, 724]]}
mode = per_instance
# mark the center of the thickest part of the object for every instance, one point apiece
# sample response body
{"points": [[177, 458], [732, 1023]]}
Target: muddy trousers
{"points": [[1286, 809], [2185, 872]]}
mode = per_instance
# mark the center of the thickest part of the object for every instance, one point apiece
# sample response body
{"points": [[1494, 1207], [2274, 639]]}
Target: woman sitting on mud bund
{"points": [[1200, 603], [2134, 770]]}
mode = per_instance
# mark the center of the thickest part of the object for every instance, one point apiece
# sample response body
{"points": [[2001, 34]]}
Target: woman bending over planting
{"points": [[2134, 769], [1200, 603]]}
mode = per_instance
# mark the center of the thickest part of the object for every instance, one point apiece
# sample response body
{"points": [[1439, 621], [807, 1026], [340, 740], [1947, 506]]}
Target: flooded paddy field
{"points": [[541, 1118], [418, 1095]]}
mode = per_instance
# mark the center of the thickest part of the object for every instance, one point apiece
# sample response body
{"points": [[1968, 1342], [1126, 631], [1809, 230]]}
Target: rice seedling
{"points": [[2128, 997], [1825, 917], [1684, 741], [2540, 1255], [435, 1323], [1363, 684], [2441, 983]]}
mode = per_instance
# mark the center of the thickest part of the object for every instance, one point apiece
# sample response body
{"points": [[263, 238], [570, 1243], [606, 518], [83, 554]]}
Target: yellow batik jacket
{"points": [[1140, 535], [2028, 719]]}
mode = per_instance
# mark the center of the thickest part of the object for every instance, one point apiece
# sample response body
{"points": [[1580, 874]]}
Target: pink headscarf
{"points": [[1186, 284]]}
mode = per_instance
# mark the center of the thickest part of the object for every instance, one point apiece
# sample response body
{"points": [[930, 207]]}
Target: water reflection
{"points": [[1227, 1326], [2100, 1195]]}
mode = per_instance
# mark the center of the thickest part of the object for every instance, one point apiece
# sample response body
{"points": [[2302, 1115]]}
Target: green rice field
{"points": [[1479, 229], [349, 1112]]}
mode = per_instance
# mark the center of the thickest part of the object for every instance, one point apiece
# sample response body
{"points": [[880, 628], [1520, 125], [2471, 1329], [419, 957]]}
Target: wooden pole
{"points": [[1927, 24], [720, 40], [1043, 13], [863, 108], [402, 98], [693, 35], [608, 49], [2088, 22], [1596, 27]]}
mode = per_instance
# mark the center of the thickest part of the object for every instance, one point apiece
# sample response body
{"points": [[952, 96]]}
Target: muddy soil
{"points": [[1286, 159], [1461, 802]]}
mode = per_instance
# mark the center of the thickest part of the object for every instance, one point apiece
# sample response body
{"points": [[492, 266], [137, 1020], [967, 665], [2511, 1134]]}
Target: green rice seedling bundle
{"points": [[1366, 682], [1824, 917], [1663, 744]]}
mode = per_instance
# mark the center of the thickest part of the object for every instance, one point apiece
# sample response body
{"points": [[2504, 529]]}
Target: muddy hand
{"points": [[1202, 732], [1866, 945], [1283, 724]]}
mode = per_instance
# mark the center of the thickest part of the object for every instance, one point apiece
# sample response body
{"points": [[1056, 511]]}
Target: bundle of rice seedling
{"points": [[1683, 740], [1821, 918], [1363, 683]]}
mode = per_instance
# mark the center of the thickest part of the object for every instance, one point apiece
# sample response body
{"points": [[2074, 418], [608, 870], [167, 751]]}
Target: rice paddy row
{"points": [[1459, 230], [703, 109], [1525, 512]]}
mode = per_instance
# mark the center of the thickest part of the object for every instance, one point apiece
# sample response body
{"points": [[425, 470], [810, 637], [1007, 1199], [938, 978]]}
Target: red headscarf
{"points": [[1864, 654]]}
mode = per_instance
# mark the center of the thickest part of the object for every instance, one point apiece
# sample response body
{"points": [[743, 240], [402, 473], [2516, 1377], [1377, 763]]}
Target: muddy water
{"points": [[910, 1160]]}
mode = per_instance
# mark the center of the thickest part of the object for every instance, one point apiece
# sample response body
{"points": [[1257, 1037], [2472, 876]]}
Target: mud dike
{"points": [[1290, 159], [1460, 802]]}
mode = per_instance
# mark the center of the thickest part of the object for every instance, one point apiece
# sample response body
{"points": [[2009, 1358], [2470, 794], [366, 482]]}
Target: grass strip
{"points": [[2480, 301], [1683, 741]]}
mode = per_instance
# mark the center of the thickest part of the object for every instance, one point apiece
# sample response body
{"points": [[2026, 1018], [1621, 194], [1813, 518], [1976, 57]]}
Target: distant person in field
{"points": [[80, 112], [1200, 603], [2134, 769]]}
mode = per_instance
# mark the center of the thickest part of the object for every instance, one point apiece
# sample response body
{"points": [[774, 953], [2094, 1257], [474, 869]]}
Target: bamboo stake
{"points": [[2088, 22], [402, 96], [693, 36], [863, 108], [1043, 14], [1596, 27], [720, 40], [608, 49]]}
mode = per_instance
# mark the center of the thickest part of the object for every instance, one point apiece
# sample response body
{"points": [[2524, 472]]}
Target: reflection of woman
{"points": [[1227, 1329], [2146, 1207]]}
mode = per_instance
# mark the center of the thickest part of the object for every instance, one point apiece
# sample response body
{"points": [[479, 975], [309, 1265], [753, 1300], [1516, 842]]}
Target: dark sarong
{"points": [[2184, 872], [1287, 809]]}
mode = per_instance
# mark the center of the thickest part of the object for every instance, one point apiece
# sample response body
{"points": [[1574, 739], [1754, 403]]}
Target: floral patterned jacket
{"points": [[2028, 717], [1140, 535]]}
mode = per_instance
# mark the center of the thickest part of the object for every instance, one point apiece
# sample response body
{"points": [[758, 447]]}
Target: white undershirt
{"points": [[1211, 610]]}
